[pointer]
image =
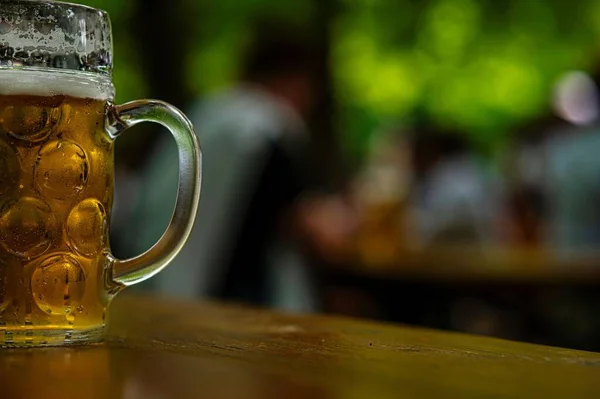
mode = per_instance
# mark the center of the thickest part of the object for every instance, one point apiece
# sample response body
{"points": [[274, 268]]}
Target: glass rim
{"points": [[65, 3], [55, 35]]}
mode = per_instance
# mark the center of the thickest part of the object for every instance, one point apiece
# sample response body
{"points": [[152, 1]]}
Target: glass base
{"points": [[31, 338]]}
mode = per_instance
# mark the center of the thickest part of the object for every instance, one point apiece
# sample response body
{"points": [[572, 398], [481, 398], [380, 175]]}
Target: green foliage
{"points": [[478, 66]]}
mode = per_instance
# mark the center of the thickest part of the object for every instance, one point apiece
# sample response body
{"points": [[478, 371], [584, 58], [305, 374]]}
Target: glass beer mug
{"points": [[58, 126]]}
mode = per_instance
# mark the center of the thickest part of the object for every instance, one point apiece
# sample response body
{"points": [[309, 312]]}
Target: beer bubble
{"points": [[10, 268], [61, 170], [28, 123], [58, 284], [27, 227], [86, 227], [4, 297], [9, 169]]}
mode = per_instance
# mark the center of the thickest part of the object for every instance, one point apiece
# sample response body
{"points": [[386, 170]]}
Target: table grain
{"points": [[158, 348]]}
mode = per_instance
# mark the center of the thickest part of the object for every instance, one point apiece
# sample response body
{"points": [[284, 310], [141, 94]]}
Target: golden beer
{"points": [[56, 192]]}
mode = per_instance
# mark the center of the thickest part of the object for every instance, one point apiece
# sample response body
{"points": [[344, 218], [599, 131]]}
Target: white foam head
{"points": [[46, 83]]}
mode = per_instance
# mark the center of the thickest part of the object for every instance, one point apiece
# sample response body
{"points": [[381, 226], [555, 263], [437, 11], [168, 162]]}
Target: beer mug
{"points": [[58, 127]]}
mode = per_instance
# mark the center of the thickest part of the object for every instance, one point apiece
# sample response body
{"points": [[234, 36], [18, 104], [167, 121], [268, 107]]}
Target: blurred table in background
{"points": [[524, 294], [477, 264], [167, 349]]}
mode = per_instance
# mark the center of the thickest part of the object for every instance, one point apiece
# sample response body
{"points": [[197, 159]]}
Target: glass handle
{"points": [[132, 271]]}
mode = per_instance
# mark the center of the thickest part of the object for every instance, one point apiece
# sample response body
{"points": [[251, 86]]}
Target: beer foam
{"points": [[46, 83]]}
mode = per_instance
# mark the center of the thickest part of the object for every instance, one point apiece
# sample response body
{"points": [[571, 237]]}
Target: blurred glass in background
{"points": [[376, 158]]}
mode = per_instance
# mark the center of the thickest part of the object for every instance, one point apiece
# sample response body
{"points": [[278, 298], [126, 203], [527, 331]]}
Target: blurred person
{"points": [[574, 190], [571, 177], [256, 201], [525, 167], [555, 176], [458, 199]]}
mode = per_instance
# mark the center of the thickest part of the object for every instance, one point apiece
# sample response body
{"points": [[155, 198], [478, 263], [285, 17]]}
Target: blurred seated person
{"points": [[258, 199], [558, 172], [457, 197], [573, 165], [526, 167]]}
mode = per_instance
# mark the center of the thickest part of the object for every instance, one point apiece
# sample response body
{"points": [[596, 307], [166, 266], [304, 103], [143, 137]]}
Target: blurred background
{"points": [[430, 163]]}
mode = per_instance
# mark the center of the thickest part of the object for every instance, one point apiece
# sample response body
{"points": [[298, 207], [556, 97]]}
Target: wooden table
{"points": [[164, 349]]}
